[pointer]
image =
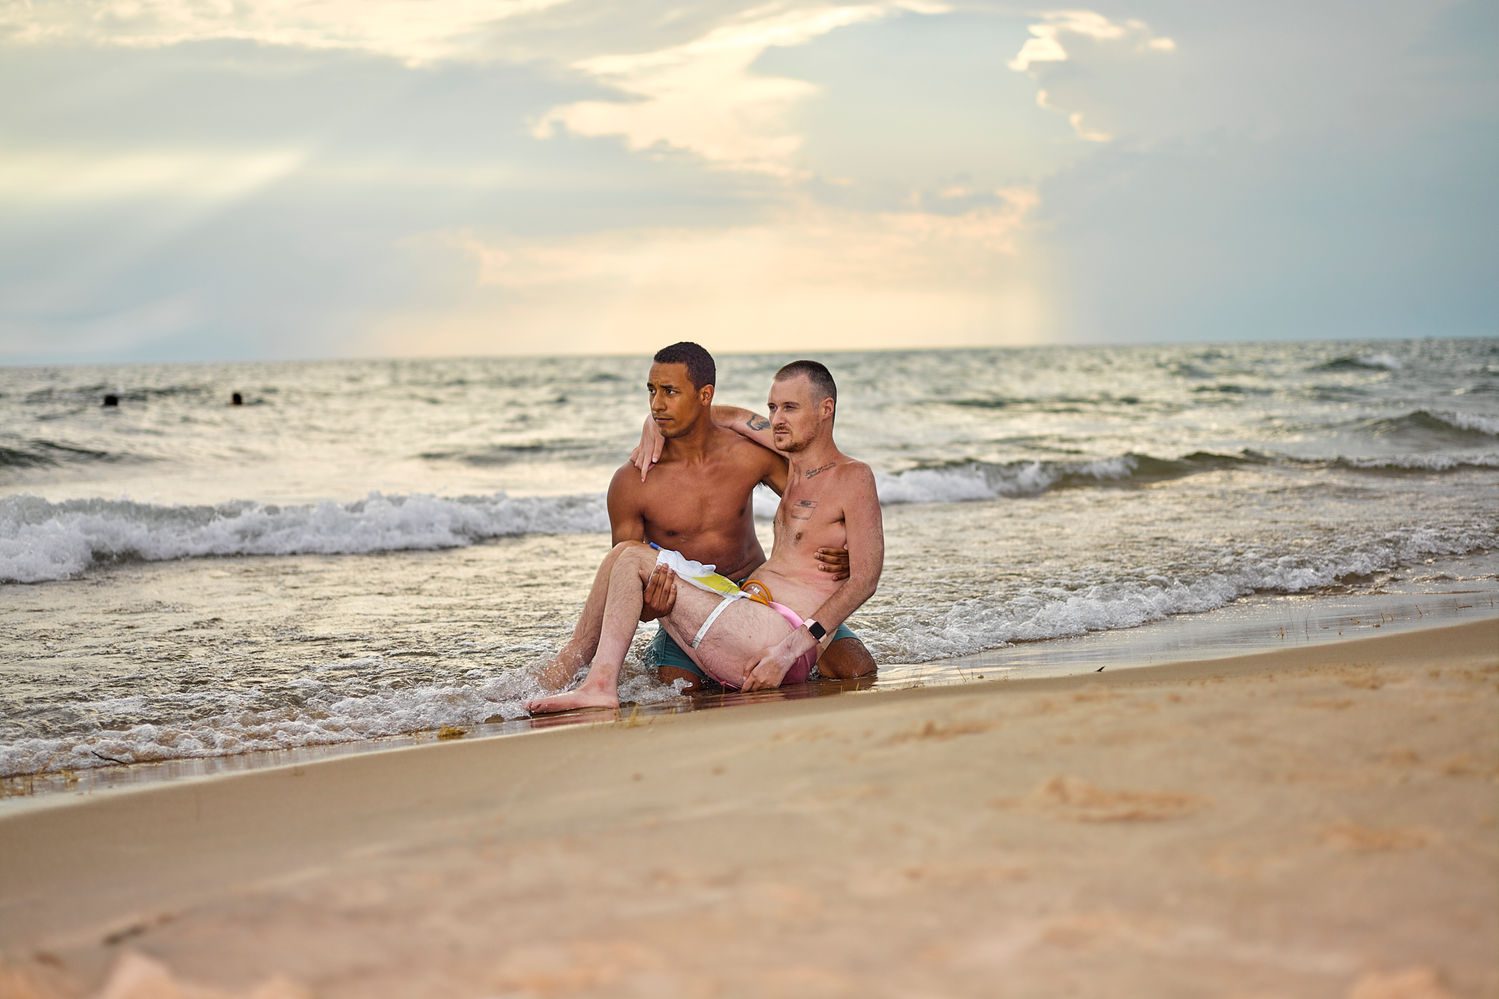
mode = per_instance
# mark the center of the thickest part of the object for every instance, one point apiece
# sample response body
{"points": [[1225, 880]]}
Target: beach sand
{"points": [[1314, 822]]}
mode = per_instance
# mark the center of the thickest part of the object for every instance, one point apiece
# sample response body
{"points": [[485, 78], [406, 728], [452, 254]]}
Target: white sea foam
{"points": [[41, 540], [240, 723], [1470, 421], [981, 481], [1061, 611], [1380, 360]]}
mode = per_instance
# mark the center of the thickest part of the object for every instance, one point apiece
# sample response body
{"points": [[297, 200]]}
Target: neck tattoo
{"points": [[814, 471]]}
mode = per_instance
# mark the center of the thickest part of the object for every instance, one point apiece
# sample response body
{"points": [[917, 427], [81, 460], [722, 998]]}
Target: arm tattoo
{"points": [[757, 422], [811, 472]]}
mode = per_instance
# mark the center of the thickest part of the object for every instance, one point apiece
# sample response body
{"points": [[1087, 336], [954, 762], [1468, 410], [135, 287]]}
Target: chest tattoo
{"points": [[811, 472], [802, 510]]}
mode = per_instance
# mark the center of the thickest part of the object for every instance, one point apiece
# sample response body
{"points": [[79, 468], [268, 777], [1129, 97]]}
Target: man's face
{"points": [[675, 404], [796, 414]]}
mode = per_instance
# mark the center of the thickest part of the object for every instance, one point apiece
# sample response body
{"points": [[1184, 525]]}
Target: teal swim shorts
{"points": [[665, 652]]}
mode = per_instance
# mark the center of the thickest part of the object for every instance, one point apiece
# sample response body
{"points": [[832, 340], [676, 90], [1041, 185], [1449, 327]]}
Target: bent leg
{"points": [[736, 640], [579, 650], [615, 601]]}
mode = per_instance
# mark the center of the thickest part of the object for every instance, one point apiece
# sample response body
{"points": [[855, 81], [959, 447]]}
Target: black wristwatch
{"points": [[816, 629]]}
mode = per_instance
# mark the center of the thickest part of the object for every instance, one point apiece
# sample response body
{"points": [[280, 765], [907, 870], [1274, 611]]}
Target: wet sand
{"points": [[1317, 821]]}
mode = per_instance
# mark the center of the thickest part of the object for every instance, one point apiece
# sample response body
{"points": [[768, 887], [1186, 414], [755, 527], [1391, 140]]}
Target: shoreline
{"points": [[1316, 820], [1251, 625]]}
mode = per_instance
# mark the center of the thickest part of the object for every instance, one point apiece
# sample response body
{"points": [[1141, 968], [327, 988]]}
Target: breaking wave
{"points": [[42, 540]]}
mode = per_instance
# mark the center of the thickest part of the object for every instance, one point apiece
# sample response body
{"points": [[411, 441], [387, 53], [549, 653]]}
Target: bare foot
{"points": [[573, 700]]}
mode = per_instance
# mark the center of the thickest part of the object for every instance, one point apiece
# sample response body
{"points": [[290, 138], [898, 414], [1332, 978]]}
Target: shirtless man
{"points": [[830, 501], [697, 500]]}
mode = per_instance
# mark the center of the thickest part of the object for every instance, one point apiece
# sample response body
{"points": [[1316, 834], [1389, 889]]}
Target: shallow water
{"points": [[374, 548]]}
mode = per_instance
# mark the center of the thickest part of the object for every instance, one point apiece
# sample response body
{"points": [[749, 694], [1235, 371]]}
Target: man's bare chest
{"points": [[689, 499], [809, 512]]}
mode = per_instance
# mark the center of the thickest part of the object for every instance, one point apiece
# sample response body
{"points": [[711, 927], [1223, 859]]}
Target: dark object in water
{"points": [[110, 399], [236, 400]]}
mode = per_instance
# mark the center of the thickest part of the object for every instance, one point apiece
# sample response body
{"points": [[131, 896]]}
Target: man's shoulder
{"points": [[626, 482], [850, 474]]}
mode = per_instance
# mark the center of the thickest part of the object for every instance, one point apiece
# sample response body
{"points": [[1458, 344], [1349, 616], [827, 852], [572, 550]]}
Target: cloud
{"points": [[276, 197], [1065, 38], [415, 31], [704, 96], [844, 279]]}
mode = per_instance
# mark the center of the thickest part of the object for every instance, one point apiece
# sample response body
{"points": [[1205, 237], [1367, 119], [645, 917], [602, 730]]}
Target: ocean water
{"points": [[371, 548]]}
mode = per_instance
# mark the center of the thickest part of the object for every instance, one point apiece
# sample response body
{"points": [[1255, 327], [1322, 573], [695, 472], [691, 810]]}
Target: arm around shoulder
{"points": [[745, 423]]}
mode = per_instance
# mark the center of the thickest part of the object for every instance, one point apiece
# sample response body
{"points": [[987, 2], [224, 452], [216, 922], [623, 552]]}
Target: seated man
{"points": [[697, 499], [744, 642]]}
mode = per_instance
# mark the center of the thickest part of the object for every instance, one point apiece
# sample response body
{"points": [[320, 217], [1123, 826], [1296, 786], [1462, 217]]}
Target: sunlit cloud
{"points": [[1054, 42], [805, 245], [411, 30], [704, 96], [842, 279]]}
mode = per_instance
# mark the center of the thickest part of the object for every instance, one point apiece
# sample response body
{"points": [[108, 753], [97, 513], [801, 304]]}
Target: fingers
{"points": [[656, 449]]}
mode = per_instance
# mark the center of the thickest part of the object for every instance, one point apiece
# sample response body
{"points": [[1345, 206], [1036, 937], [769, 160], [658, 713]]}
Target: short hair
{"points": [[820, 376], [700, 367]]}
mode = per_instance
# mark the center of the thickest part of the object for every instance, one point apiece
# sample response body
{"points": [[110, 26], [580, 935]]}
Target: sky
{"points": [[201, 180]]}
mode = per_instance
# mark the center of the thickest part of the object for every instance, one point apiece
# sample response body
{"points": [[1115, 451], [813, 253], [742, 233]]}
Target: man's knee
{"points": [[633, 553], [846, 659]]}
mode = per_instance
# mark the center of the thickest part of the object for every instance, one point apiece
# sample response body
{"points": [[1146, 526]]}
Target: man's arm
{"points": [[627, 523], [745, 423], [866, 549], [751, 426], [865, 525]]}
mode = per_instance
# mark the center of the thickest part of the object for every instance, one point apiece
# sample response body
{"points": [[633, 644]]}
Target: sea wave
{"points": [[508, 454], [1373, 361], [1059, 610], [34, 452], [1436, 427], [958, 482], [42, 540]]}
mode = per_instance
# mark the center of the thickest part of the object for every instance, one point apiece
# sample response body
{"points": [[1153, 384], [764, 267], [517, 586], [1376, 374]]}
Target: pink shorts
{"points": [[802, 668]]}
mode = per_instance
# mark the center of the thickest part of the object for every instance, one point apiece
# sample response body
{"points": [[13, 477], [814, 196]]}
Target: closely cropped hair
{"points": [[700, 366], [822, 378]]}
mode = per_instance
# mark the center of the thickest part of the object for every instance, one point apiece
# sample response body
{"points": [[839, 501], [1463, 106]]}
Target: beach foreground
{"points": [[1320, 822]]}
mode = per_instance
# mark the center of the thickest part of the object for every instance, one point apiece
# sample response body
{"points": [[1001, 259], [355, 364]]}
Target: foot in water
{"points": [[573, 700]]}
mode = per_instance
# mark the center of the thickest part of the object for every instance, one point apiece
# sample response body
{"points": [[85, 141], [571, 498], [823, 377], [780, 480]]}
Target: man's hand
{"points": [[660, 594], [834, 560], [776, 661], [648, 451]]}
